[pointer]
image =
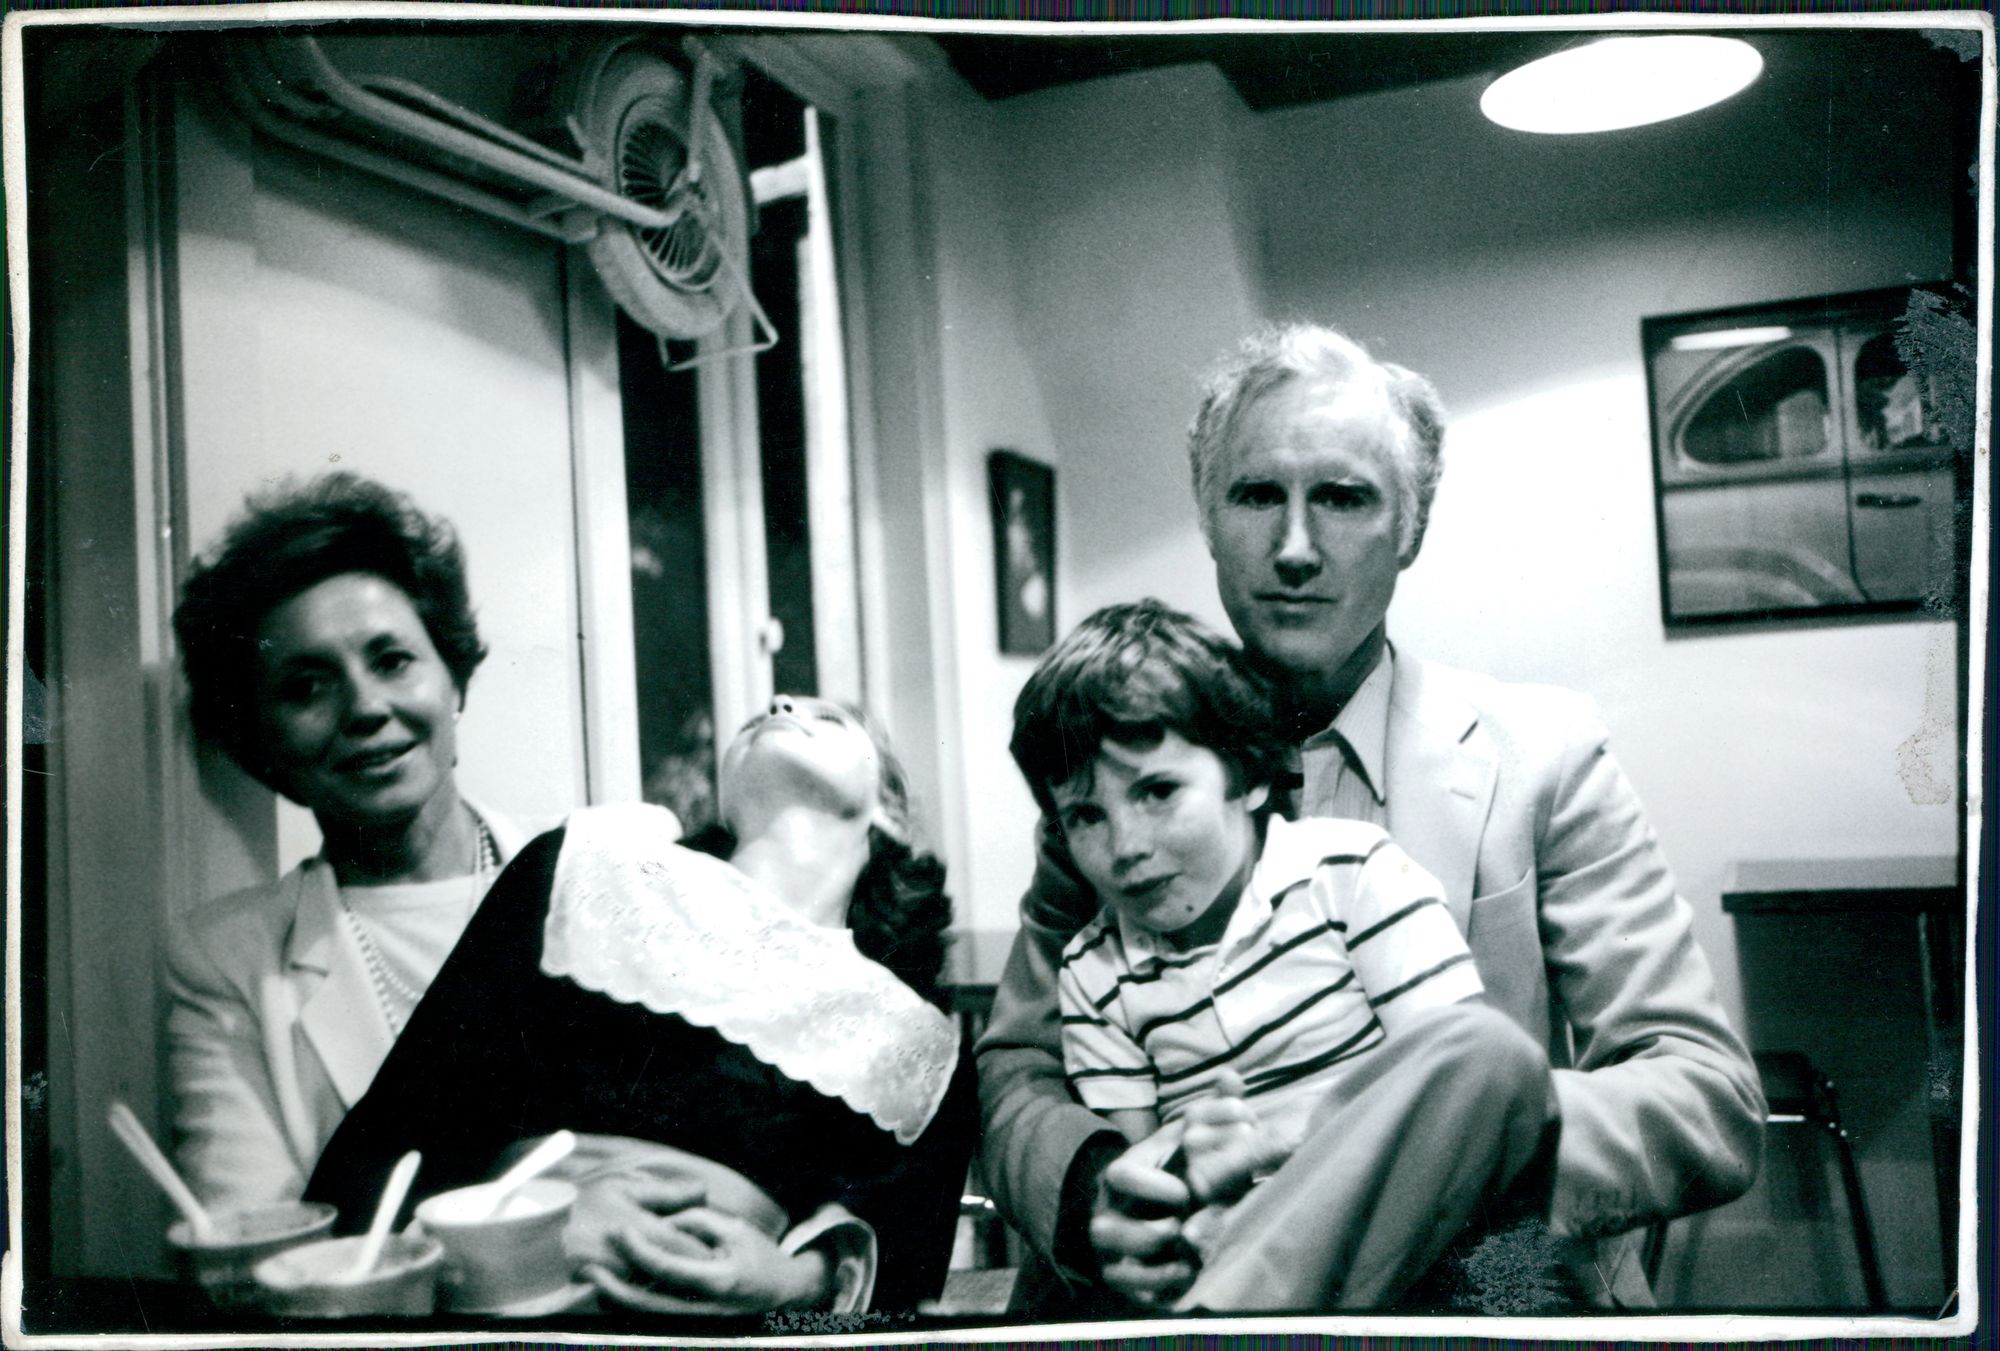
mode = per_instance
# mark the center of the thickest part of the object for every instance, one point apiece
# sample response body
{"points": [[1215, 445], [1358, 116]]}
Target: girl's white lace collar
{"points": [[642, 920]]}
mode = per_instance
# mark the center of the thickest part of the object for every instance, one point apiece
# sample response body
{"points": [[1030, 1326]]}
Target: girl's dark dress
{"points": [[498, 1051]]}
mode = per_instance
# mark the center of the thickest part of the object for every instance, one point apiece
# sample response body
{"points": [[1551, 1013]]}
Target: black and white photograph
{"points": [[717, 676]]}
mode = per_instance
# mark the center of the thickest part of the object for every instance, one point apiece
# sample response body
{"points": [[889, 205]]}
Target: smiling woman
{"points": [[358, 712], [328, 643]]}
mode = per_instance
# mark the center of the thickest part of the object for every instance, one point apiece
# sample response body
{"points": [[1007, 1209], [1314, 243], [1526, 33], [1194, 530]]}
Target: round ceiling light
{"points": [[1620, 82]]}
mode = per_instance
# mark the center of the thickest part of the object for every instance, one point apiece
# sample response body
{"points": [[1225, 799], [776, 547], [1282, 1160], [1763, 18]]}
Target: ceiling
{"points": [[1278, 69]]}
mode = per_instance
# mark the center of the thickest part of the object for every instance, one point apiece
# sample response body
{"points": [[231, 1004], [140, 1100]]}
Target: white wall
{"points": [[1129, 228], [331, 321], [1089, 261], [991, 400], [1098, 245]]}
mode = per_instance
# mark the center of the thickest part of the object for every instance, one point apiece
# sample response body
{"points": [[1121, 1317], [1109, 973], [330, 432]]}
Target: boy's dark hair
{"points": [[1131, 674], [287, 542]]}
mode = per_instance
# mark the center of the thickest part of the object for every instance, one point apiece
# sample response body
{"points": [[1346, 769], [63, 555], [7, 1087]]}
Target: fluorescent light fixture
{"points": [[1729, 337], [1620, 82]]}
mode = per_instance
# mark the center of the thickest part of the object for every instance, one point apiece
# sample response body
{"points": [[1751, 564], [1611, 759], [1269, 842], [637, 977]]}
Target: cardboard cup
{"points": [[312, 1281], [222, 1264], [492, 1262]]}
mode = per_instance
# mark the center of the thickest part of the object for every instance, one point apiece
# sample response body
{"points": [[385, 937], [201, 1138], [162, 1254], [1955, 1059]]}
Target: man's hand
{"points": [[1136, 1225]]}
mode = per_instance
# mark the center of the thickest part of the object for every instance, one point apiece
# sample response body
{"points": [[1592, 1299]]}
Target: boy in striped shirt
{"points": [[1241, 964]]}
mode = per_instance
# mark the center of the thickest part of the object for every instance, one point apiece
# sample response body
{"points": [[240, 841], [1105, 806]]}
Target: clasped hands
{"points": [[1150, 1194], [655, 1245]]}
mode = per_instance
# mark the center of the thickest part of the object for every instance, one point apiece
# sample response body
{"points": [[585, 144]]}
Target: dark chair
{"points": [[990, 1247], [1798, 1094], [987, 1285], [974, 1006]]}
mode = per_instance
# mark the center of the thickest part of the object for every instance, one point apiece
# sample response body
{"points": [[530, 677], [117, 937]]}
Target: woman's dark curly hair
{"points": [[900, 914], [288, 541]]}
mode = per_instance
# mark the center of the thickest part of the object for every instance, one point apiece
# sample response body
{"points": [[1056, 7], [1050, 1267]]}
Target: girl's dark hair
{"points": [[1131, 674], [900, 915], [286, 542]]}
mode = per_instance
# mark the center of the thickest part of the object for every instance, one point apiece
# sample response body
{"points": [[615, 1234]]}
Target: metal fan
{"points": [[653, 138], [658, 198]]}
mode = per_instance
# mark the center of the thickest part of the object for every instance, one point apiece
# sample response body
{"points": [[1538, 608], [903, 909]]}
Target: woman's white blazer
{"points": [[273, 1032]]}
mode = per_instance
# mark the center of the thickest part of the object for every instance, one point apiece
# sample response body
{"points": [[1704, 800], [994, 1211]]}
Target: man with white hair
{"points": [[1314, 469]]}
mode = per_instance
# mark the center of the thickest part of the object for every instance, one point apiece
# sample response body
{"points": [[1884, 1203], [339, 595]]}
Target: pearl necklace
{"points": [[392, 992]]}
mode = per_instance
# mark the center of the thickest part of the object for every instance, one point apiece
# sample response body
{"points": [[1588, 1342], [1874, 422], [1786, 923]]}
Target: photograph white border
{"points": [[1652, 1328]]}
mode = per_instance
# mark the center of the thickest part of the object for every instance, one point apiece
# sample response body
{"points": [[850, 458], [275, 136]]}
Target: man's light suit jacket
{"points": [[274, 1031], [1510, 796]]}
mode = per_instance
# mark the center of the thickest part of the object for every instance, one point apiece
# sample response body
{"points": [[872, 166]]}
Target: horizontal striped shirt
{"points": [[1337, 939]]}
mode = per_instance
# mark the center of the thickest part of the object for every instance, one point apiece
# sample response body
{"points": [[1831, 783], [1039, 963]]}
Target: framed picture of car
{"points": [[1797, 469]]}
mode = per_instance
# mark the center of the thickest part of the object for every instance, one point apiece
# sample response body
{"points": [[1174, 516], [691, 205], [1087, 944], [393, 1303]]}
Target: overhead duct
{"points": [[655, 194]]}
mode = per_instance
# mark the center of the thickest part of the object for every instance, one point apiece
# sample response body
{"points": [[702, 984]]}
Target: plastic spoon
{"points": [[404, 1173], [125, 1125], [533, 1164]]}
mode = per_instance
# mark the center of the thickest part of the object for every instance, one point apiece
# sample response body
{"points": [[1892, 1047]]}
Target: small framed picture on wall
{"points": [[1024, 550]]}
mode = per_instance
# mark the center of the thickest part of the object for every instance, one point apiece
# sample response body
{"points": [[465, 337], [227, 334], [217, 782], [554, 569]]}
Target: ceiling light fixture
{"points": [[1620, 82]]}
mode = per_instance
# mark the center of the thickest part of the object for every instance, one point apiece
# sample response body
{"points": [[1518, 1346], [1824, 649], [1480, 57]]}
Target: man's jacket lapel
{"points": [[1440, 779]]}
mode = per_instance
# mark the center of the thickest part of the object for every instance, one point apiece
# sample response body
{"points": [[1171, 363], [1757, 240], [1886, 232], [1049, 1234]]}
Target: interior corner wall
{"points": [[1128, 202], [1090, 261], [892, 342], [1514, 271], [990, 399]]}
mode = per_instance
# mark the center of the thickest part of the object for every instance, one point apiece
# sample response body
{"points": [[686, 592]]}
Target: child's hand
{"points": [[1136, 1224], [1225, 1147]]}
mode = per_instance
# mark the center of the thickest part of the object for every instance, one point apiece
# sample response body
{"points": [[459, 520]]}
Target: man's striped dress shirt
{"points": [[1338, 937]]}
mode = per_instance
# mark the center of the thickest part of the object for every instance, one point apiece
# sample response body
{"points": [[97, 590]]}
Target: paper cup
{"points": [[223, 1263], [494, 1262], [312, 1281]]}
